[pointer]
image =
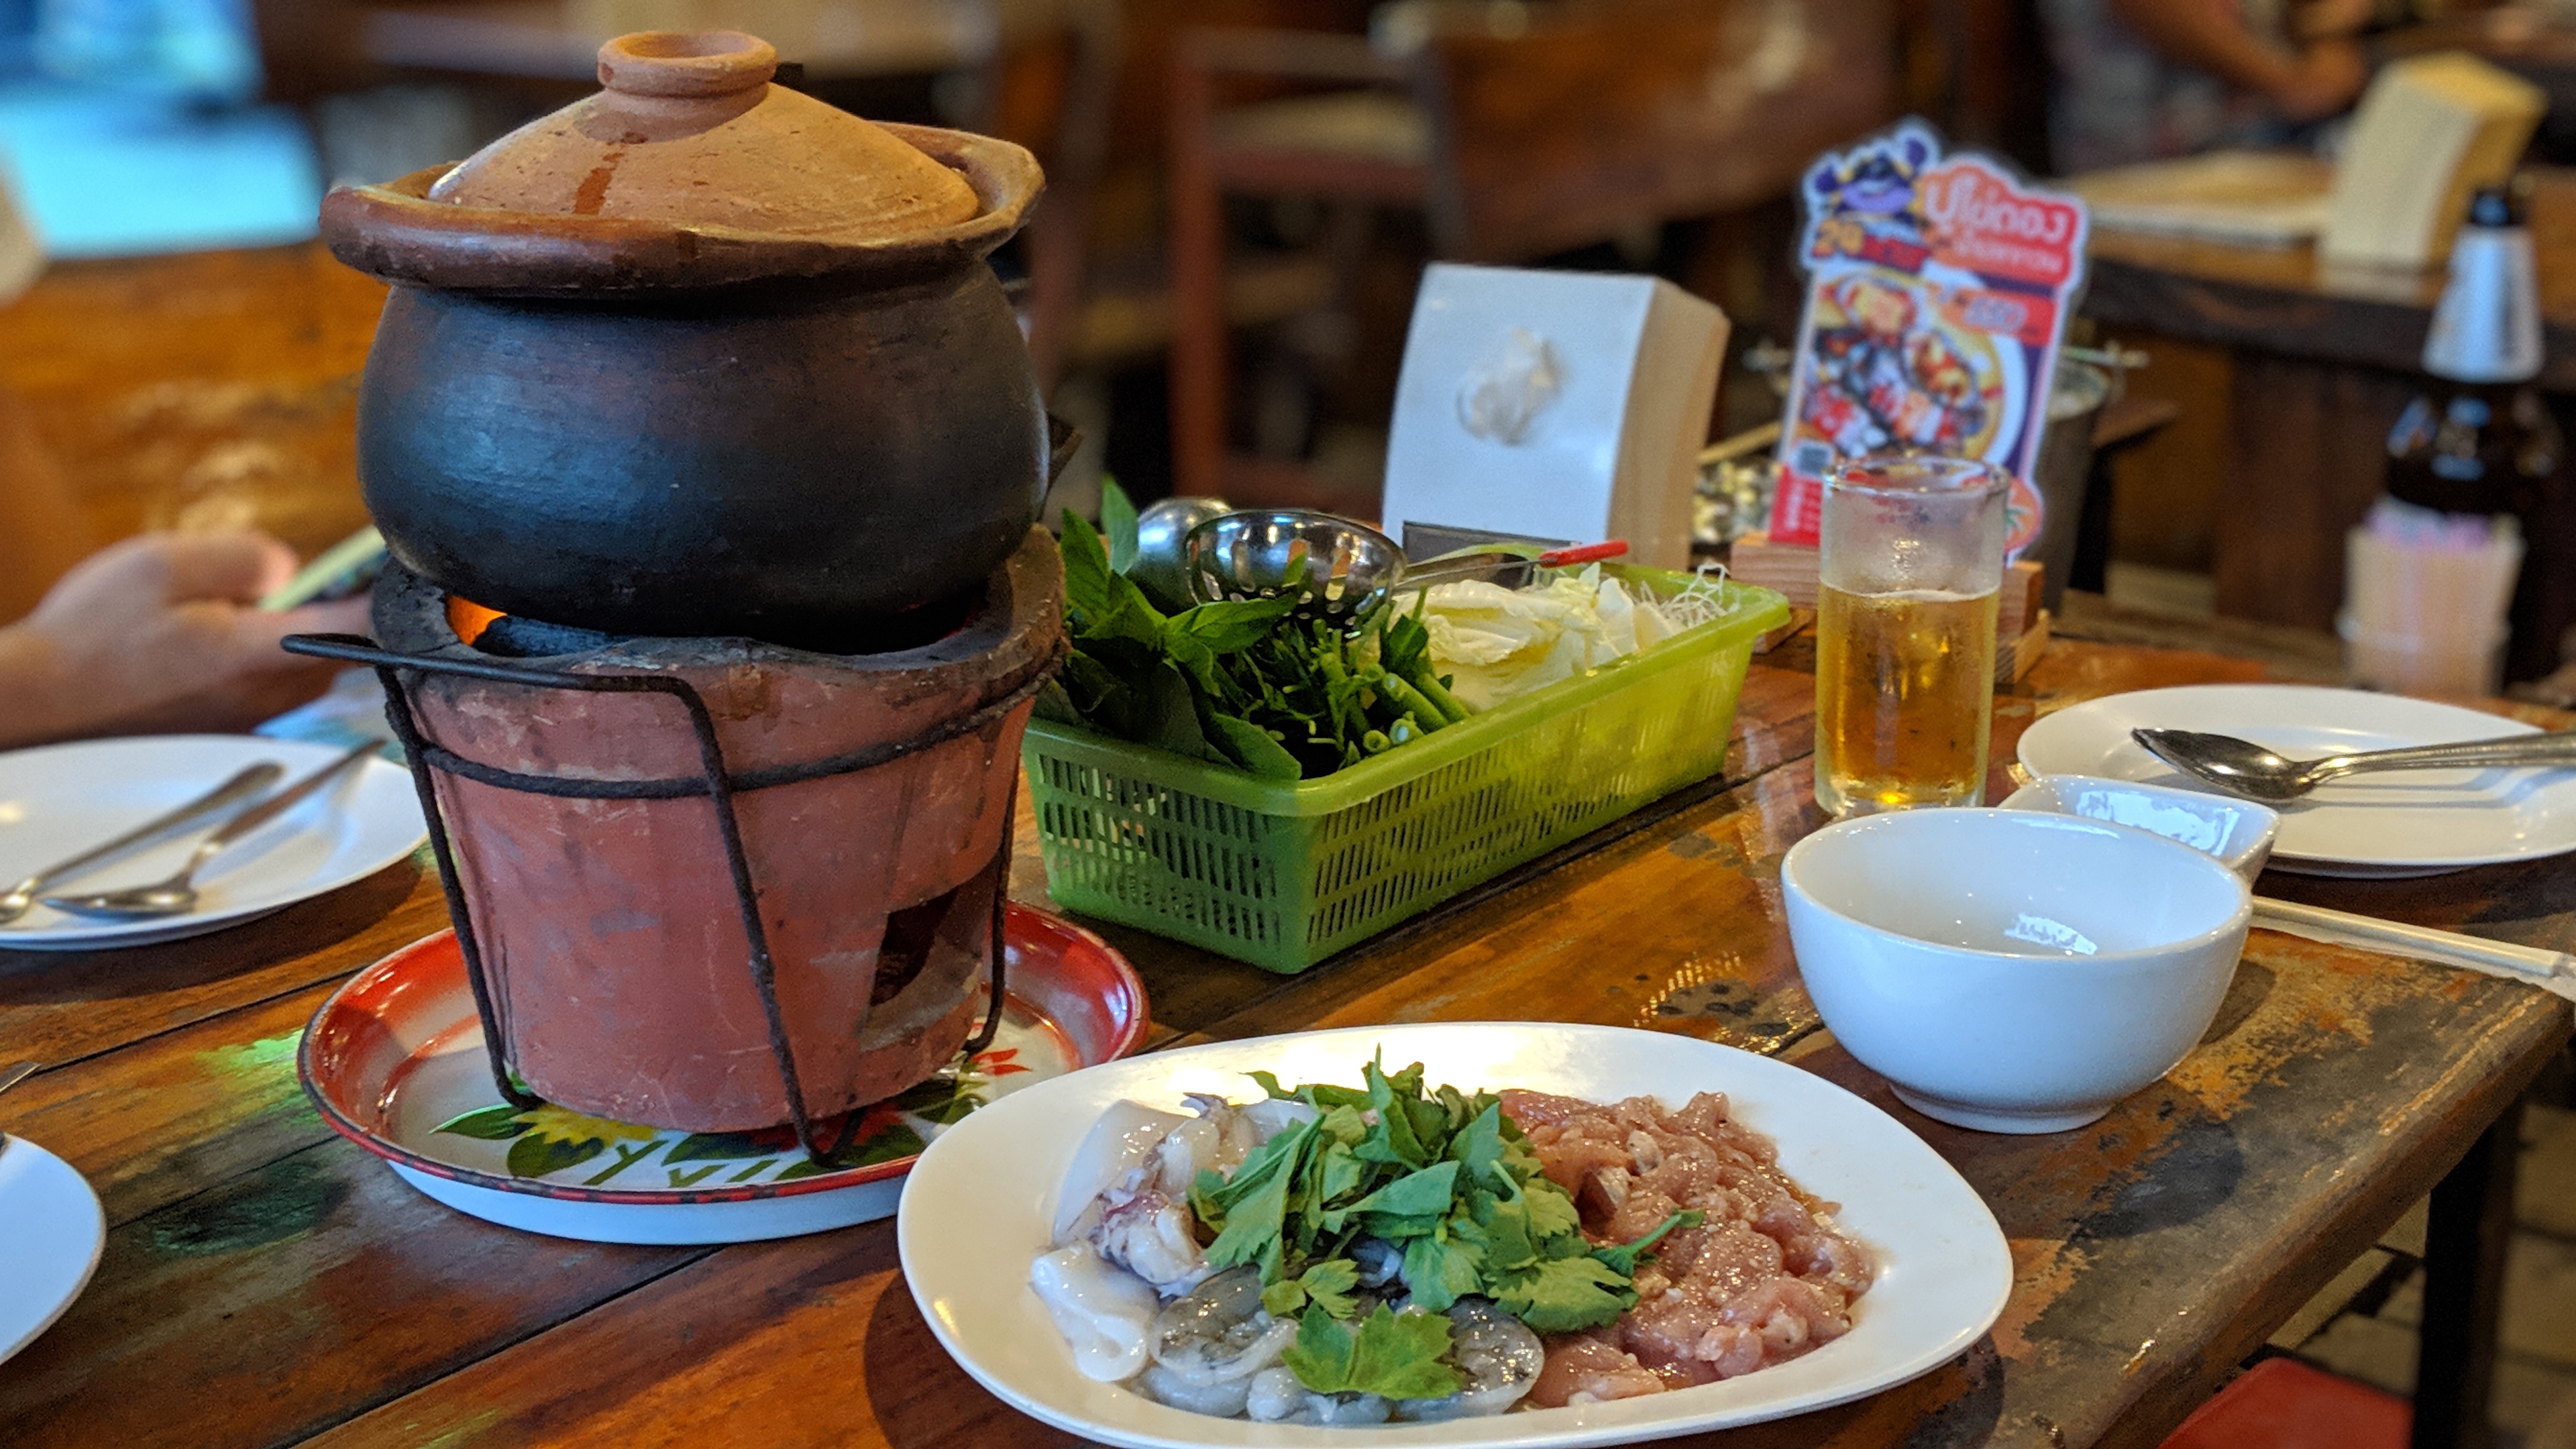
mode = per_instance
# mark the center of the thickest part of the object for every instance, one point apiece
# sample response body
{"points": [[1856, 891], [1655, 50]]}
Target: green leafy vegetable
{"points": [[1390, 1353], [1118, 524], [1442, 1176], [1327, 1285], [1243, 682], [1623, 1259], [1559, 1295]]}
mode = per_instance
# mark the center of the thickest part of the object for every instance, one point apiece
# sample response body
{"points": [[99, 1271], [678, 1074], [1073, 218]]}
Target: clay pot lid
{"points": [[689, 170], [690, 130]]}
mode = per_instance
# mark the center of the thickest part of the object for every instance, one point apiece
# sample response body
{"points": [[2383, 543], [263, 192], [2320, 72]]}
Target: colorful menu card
{"points": [[1938, 291]]}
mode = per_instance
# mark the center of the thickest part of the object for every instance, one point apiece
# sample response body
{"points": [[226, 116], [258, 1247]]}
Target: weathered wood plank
{"points": [[177, 1113], [58, 1007], [289, 1299], [808, 1342]]}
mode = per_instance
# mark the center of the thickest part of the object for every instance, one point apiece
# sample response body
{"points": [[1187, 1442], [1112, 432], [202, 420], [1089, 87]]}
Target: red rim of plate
{"points": [[1026, 925]]}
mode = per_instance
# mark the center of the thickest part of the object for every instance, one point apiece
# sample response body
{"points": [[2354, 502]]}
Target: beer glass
{"points": [[1912, 560]]}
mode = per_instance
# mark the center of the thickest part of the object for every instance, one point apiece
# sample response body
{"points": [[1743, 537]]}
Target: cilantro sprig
{"points": [[1446, 1179]]}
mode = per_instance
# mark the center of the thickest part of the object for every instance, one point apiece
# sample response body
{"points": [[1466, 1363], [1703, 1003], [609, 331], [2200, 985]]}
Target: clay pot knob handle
{"points": [[686, 63]]}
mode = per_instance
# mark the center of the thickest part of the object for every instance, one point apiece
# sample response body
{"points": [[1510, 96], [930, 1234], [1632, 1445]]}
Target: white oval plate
{"points": [[52, 1223], [2403, 823], [58, 800], [979, 1207]]}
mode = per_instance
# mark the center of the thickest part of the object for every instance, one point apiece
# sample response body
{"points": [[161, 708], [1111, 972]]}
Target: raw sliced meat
{"points": [[1766, 1277]]}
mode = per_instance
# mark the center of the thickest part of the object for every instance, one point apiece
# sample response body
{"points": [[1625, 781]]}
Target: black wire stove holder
{"points": [[716, 782]]}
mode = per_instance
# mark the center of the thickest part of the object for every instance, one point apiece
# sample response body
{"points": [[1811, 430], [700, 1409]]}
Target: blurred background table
{"points": [[203, 390], [2319, 361]]}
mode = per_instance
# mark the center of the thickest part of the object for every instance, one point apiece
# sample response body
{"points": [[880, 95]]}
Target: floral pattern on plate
{"points": [[557, 1145]]}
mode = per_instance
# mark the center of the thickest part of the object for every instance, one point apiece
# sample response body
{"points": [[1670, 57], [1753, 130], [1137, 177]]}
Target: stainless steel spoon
{"points": [[176, 896], [2241, 767], [231, 792]]}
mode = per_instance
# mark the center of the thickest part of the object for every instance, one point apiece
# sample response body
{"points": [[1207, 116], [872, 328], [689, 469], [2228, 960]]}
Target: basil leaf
{"points": [[1118, 524], [1251, 747]]}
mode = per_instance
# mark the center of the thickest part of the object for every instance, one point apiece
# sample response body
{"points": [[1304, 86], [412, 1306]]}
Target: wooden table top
{"points": [[267, 1283], [211, 389], [2284, 300]]}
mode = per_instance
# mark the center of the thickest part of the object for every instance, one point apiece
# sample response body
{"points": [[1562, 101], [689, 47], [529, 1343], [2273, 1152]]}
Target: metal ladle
{"points": [[2241, 767], [1340, 570]]}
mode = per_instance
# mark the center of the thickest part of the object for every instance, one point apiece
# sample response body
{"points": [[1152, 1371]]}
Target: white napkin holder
{"points": [[1555, 405]]}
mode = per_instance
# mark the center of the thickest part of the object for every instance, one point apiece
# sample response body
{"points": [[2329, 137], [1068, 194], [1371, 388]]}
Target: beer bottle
{"points": [[2478, 440]]}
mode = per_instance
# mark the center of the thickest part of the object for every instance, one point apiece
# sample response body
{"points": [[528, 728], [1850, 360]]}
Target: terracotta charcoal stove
{"points": [[708, 387]]}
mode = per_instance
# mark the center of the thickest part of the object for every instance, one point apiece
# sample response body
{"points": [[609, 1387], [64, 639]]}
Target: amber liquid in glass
{"points": [[1904, 698]]}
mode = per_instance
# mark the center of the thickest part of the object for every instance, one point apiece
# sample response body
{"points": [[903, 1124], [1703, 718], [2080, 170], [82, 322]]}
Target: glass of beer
{"points": [[1913, 557]]}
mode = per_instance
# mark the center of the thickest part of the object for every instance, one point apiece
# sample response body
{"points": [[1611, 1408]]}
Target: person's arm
{"points": [[159, 633], [2308, 84]]}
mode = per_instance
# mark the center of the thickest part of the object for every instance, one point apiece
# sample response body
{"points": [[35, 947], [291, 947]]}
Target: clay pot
{"points": [[700, 355], [610, 929]]}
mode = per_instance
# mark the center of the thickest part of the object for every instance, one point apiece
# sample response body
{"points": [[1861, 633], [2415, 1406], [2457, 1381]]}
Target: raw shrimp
{"points": [[1274, 1395], [1277, 1398], [1499, 1355], [1341, 1410], [1208, 1346]]}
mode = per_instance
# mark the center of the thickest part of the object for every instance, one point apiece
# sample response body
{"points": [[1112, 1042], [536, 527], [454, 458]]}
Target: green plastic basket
{"points": [[1283, 875]]}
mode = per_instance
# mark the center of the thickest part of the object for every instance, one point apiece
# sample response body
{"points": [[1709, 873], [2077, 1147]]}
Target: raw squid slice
{"points": [[1106, 1313], [1117, 1145]]}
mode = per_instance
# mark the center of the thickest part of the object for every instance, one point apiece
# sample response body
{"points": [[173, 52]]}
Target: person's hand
{"points": [[2330, 19], [2326, 79], [159, 633]]}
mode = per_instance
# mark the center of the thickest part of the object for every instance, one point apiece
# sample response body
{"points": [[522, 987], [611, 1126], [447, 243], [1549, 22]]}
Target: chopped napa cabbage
{"points": [[1500, 643]]}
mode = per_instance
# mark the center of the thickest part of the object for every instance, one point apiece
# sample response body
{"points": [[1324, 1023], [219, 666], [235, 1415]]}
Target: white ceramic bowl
{"points": [[2238, 834], [2007, 970]]}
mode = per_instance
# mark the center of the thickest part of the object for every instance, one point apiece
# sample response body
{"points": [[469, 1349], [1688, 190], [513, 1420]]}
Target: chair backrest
{"points": [[1567, 122]]}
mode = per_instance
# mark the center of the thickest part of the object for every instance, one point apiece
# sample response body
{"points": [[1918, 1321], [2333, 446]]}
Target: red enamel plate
{"points": [[395, 1061]]}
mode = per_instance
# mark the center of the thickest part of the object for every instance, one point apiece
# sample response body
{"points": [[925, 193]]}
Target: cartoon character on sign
{"points": [[1877, 180], [1938, 291]]}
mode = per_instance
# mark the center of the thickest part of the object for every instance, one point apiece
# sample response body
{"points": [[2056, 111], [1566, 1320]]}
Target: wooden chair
{"points": [[1519, 129]]}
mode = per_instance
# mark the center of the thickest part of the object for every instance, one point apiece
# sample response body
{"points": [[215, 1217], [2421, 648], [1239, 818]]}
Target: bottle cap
{"points": [[2495, 206]]}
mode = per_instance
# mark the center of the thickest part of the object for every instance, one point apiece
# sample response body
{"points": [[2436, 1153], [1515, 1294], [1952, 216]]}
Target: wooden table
{"points": [[2322, 359], [209, 390], [267, 1283]]}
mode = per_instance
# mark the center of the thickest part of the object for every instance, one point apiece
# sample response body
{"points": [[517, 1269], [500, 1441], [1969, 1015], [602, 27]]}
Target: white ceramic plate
{"points": [[2409, 822], [54, 1230], [59, 800], [979, 1207]]}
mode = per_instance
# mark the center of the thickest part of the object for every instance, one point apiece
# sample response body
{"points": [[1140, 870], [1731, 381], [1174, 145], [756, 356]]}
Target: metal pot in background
{"points": [[2087, 381]]}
